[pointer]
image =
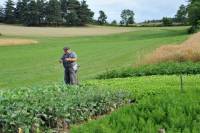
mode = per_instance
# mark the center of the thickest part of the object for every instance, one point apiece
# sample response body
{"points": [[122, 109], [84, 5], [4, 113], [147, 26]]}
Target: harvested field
{"points": [[11, 42], [10, 30], [187, 51]]}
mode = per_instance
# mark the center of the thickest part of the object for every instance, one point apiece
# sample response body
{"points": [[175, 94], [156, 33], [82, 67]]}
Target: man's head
{"points": [[66, 50]]}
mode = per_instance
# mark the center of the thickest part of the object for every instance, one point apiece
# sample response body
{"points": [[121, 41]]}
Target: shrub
{"points": [[167, 21], [194, 28], [169, 68]]}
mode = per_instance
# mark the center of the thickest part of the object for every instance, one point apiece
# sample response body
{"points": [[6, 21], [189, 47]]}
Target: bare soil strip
{"points": [[187, 51], [11, 42]]}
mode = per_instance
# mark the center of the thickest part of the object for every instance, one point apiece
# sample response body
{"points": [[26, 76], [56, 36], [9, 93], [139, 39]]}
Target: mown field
{"points": [[37, 64]]}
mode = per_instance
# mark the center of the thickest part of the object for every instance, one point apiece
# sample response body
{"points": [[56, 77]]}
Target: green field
{"points": [[161, 104], [38, 64], [34, 98]]}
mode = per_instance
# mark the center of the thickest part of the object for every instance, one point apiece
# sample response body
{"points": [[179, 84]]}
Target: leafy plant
{"points": [[165, 109], [55, 106], [169, 68]]}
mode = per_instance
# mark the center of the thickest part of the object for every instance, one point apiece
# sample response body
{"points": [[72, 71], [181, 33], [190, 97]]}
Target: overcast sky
{"points": [[144, 9]]}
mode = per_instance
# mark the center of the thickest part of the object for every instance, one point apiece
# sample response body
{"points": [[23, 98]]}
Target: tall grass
{"points": [[188, 51]]}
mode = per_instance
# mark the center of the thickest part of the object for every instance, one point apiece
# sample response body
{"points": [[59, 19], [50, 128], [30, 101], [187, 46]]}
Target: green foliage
{"points": [[181, 15], [127, 17], [167, 21], [85, 14], [2, 14], [32, 17], [161, 106], [52, 12], [45, 107], [114, 22], [102, 18], [169, 68], [194, 15], [9, 12]]}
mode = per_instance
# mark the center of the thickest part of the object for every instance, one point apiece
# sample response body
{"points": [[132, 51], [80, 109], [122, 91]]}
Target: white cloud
{"points": [[144, 9]]}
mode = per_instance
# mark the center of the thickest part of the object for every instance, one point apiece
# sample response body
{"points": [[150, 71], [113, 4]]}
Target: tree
{"points": [[54, 13], [102, 18], [114, 22], [41, 8], [194, 15], [194, 12], [64, 9], [181, 15], [84, 13], [167, 21], [127, 17], [47, 12], [32, 18], [72, 17], [2, 15], [19, 11], [9, 12]]}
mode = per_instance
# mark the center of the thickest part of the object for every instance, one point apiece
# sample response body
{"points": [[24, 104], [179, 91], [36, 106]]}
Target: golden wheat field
{"points": [[187, 51]]}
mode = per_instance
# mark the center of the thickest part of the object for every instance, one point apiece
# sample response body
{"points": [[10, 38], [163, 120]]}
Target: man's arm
{"points": [[73, 58]]}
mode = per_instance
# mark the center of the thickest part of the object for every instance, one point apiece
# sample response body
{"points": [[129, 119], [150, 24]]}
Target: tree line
{"points": [[77, 13], [127, 18], [56, 13], [43, 12]]}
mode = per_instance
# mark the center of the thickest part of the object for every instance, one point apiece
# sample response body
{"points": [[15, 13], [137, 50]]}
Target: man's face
{"points": [[66, 51]]}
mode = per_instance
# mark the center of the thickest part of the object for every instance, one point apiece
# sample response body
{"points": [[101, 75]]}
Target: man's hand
{"points": [[71, 59], [67, 59]]}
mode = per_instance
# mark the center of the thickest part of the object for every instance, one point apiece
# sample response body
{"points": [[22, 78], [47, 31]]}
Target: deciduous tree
{"points": [[127, 17], [102, 18]]}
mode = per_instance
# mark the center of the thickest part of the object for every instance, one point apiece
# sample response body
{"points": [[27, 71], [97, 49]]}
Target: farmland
{"points": [[161, 105], [29, 65], [34, 99]]}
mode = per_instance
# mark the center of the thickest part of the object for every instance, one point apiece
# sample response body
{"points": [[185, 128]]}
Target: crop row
{"points": [[54, 107], [169, 68], [162, 106]]}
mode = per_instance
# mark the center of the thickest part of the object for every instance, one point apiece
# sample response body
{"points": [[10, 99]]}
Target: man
{"points": [[69, 60]]}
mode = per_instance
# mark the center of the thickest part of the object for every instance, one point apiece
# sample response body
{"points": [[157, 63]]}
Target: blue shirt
{"points": [[67, 64]]}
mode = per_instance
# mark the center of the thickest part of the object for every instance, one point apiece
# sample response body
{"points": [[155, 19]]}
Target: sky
{"points": [[144, 9]]}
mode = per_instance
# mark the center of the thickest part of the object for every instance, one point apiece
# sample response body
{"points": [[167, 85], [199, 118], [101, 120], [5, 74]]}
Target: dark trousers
{"points": [[70, 77]]}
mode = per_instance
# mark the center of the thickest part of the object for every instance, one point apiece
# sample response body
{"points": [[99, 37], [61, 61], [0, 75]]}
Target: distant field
{"points": [[28, 65], [10, 30]]}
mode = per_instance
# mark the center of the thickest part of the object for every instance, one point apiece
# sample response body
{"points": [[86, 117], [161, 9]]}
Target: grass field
{"points": [[37, 64], [47, 104]]}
